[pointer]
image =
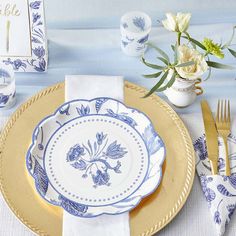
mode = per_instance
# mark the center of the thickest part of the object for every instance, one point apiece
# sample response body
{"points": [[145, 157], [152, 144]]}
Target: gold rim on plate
{"points": [[151, 215]]}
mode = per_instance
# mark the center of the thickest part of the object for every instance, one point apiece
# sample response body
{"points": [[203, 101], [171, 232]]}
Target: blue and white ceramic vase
{"points": [[135, 27]]}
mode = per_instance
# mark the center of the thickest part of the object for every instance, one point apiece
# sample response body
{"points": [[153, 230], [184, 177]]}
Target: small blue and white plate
{"points": [[95, 157]]}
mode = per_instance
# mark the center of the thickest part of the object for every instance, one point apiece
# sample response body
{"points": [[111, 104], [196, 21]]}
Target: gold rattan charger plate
{"points": [[152, 214]]}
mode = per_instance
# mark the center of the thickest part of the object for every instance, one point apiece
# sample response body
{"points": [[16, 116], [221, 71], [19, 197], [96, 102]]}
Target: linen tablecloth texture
{"points": [[219, 190], [89, 87]]}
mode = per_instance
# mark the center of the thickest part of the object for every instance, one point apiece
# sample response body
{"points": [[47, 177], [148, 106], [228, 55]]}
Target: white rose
{"points": [[195, 71], [177, 23]]}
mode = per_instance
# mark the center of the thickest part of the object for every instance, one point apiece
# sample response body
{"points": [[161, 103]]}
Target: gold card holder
{"points": [[23, 43]]}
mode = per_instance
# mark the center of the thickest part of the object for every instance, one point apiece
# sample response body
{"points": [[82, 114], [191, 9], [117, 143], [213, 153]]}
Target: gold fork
{"points": [[223, 127]]}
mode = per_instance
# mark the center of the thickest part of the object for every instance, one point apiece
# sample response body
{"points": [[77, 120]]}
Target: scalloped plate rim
{"points": [[34, 138]]}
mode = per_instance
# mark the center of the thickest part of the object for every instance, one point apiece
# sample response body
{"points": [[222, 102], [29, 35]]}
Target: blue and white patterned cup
{"points": [[7, 87], [135, 27]]}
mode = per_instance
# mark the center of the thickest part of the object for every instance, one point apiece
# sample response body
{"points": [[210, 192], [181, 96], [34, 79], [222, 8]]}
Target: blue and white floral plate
{"points": [[95, 157]]}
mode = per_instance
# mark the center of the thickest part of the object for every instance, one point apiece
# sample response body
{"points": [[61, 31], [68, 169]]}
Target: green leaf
{"points": [[161, 52], [189, 63], [176, 54], [153, 75], [231, 39], [232, 52], [172, 80], [152, 65], [173, 47], [209, 74], [188, 35], [219, 65], [163, 60], [158, 84], [195, 42], [193, 45], [168, 85]]}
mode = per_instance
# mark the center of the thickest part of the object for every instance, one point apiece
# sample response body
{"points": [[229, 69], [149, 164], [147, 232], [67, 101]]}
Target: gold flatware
{"points": [[211, 136], [8, 35], [223, 127]]}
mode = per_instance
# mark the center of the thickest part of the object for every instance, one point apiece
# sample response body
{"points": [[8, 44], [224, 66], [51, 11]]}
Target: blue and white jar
{"points": [[135, 27], [7, 87]]}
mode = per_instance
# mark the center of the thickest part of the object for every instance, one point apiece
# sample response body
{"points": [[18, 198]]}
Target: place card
{"points": [[23, 43]]}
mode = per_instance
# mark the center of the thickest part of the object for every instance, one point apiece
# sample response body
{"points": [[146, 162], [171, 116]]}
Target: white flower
{"points": [[186, 54], [177, 23], [183, 21], [170, 23]]}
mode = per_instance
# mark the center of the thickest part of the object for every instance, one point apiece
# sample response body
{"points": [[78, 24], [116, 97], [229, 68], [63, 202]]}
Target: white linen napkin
{"points": [[219, 190], [88, 87]]}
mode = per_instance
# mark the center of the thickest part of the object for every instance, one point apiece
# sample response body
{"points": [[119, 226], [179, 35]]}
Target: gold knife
{"points": [[211, 136]]}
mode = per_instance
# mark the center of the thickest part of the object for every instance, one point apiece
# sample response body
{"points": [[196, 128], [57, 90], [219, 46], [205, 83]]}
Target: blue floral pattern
{"points": [[138, 44], [4, 98], [139, 22], [36, 17], [231, 209], [83, 111], [99, 103], [124, 43], [224, 191], [41, 179], [37, 63], [131, 43], [200, 148], [122, 116], [217, 217], [40, 145], [232, 180], [94, 159], [65, 110], [4, 74], [39, 52], [144, 39], [35, 5], [219, 190], [125, 25], [151, 139], [108, 154], [208, 192], [73, 208]]}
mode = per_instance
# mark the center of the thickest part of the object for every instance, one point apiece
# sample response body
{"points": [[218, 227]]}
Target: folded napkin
{"points": [[219, 190], [88, 87]]}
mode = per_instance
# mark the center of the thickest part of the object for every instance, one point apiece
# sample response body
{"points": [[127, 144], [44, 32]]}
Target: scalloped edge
{"points": [[64, 201]]}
